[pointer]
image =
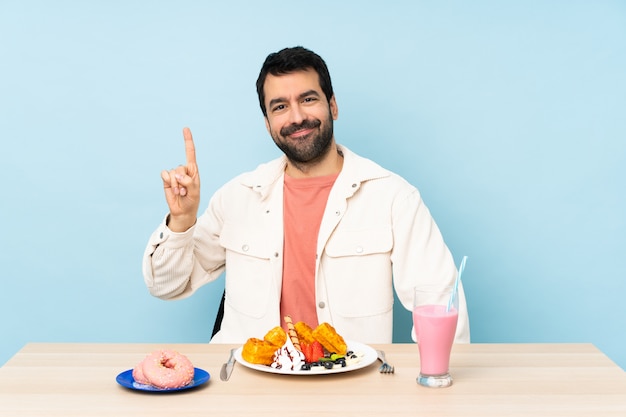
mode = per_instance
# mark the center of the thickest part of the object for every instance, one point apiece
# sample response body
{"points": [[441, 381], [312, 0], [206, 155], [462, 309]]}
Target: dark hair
{"points": [[290, 60]]}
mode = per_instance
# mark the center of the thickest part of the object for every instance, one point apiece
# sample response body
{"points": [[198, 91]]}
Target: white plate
{"points": [[369, 357]]}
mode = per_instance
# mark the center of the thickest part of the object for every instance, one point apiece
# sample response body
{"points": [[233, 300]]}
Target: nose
{"points": [[296, 114]]}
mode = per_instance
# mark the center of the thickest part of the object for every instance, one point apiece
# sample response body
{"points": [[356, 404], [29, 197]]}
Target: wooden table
{"points": [[49, 379]]}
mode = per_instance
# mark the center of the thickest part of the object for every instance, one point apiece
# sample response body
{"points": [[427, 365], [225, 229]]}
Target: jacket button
{"points": [[161, 235], [321, 304], [359, 249], [245, 248]]}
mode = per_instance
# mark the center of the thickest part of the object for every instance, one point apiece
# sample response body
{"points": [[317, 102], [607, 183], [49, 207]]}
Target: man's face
{"points": [[299, 118]]}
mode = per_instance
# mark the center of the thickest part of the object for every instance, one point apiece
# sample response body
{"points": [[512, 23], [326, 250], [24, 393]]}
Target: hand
{"points": [[182, 189]]}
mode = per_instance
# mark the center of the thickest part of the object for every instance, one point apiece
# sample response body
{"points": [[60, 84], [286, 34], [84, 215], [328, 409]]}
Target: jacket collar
{"points": [[356, 170]]}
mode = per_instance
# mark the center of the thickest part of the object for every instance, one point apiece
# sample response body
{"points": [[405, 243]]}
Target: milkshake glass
{"points": [[435, 319]]}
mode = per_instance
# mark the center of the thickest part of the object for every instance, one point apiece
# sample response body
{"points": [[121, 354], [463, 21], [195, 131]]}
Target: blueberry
{"points": [[305, 367], [328, 365]]}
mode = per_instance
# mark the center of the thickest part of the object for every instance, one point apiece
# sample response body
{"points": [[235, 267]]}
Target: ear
{"points": [[334, 110]]}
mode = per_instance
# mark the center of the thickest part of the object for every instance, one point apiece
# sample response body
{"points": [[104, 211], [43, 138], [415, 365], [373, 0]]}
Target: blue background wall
{"points": [[509, 117]]}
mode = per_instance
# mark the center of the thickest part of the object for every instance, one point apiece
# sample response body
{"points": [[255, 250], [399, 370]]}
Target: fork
{"points": [[385, 368]]}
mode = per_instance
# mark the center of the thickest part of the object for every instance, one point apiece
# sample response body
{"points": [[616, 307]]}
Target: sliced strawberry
{"points": [[317, 351], [307, 351]]}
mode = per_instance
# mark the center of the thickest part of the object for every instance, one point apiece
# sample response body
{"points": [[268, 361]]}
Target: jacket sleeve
{"points": [[420, 255], [175, 265]]}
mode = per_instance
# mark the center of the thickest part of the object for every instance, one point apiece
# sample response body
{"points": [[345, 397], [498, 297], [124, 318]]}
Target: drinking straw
{"points": [[455, 289]]}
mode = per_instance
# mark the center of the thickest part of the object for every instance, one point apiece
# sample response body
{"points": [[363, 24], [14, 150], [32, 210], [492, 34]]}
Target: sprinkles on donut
{"points": [[164, 369]]}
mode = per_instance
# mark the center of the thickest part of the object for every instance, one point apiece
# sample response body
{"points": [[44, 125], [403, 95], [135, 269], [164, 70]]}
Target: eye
{"points": [[278, 107], [309, 99]]}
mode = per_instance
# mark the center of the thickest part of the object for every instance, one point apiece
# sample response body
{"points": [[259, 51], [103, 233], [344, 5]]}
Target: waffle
{"points": [[330, 339], [304, 332], [262, 351]]}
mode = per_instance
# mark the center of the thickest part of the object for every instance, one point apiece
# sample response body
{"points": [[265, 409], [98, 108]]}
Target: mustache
{"points": [[306, 124]]}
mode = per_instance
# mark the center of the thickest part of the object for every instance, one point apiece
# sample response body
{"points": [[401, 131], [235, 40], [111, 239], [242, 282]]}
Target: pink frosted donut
{"points": [[167, 369], [138, 375]]}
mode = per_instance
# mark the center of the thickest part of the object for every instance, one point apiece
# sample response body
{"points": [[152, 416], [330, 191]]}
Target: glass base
{"points": [[435, 381]]}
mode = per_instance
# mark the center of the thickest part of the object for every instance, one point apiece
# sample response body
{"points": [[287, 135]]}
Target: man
{"points": [[319, 234]]}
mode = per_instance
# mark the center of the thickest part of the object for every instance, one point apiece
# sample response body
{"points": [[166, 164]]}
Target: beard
{"points": [[309, 148]]}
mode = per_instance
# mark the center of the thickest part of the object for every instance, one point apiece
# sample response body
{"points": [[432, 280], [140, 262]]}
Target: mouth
{"points": [[299, 134], [302, 130]]}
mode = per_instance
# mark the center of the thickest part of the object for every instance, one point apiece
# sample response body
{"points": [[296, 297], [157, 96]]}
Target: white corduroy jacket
{"points": [[376, 234]]}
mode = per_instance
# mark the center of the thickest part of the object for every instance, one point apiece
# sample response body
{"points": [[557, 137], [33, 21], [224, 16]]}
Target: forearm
{"points": [[181, 223], [175, 265], [421, 256], [168, 262]]}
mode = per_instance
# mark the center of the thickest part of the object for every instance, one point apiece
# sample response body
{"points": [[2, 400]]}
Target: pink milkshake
{"points": [[435, 329]]}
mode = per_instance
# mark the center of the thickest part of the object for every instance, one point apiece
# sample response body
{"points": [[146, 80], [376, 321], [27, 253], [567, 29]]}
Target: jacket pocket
{"points": [[357, 271], [359, 242], [248, 270]]}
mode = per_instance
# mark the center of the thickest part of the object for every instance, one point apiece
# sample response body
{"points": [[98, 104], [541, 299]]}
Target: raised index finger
{"points": [[190, 149]]}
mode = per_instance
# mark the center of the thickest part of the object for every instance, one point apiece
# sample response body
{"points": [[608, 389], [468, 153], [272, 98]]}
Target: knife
{"points": [[227, 368]]}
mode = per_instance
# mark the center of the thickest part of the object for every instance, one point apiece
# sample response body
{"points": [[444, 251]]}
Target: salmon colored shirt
{"points": [[304, 203]]}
